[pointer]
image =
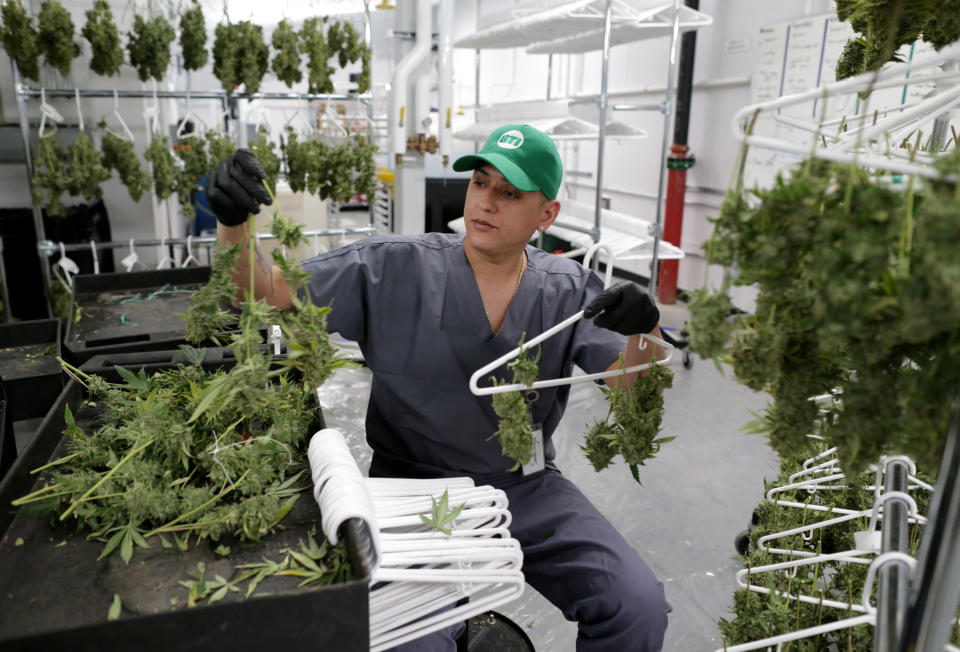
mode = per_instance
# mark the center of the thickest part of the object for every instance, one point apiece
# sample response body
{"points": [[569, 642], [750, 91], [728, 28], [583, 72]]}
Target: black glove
{"points": [[234, 190], [625, 308]]}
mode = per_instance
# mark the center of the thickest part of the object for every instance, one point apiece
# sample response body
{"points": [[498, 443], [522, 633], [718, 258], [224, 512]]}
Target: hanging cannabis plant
{"points": [[119, 154], [854, 298], [86, 172], [240, 56], [633, 422], [266, 152], [298, 157], [149, 46], [20, 39], [104, 39], [314, 45], [163, 166], [515, 431], [194, 162], [344, 40], [219, 147], [883, 27], [286, 60], [363, 80], [55, 36], [49, 175], [336, 172], [193, 37]]}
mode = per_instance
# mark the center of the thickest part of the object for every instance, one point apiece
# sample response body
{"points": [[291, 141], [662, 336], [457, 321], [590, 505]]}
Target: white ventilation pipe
{"points": [[425, 83], [445, 78], [400, 113]]}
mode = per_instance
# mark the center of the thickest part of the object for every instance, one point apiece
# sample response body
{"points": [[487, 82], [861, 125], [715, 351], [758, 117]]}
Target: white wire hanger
{"points": [[308, 128], [418, 575], [65, 269], [76, 92], [47, 112], [569, 321], [256, 116], [189, 114], [95, 256], [166, 262], [151, 114], [132, 259], [868, 612], [125, 130], [190, 257], [865, 145]]}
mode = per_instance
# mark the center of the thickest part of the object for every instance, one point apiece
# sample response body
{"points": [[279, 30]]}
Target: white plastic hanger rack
{"points": [[871, 138], [418, 574], [578, 27]]}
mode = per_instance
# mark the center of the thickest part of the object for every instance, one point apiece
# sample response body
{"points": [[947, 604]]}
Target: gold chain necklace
{"points": [[523, 268]]}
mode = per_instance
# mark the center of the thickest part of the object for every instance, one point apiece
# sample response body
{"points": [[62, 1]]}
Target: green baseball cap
{"points": [[525, 156]]}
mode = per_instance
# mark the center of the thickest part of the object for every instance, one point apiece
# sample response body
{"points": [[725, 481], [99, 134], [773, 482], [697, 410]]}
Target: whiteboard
{"points": [[793, 57]]}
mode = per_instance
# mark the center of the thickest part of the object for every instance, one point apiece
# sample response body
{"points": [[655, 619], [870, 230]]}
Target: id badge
{"points": [[538, 459]]}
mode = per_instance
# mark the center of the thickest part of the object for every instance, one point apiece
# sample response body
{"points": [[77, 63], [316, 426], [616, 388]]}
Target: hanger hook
{"points": [[96, 258], [76, 92]]}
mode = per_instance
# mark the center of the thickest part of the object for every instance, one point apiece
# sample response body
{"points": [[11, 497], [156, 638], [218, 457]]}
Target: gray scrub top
{"points": [[413, 306]]}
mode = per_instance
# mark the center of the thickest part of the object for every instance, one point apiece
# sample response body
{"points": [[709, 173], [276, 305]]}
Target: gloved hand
{"points": [[234, 190], [625, 308]]}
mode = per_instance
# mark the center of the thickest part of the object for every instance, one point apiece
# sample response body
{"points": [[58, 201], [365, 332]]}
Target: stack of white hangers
{"points": [[418, 575]]}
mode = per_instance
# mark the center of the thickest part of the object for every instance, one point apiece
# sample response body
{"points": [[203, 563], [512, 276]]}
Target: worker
{"points": [[427, 311]]}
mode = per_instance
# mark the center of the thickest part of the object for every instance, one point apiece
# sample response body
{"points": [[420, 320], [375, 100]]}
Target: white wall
{"points": [[638, 74]]}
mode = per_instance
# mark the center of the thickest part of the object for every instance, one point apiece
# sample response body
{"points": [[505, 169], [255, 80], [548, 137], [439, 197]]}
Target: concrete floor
{"points": [[694, 497]]}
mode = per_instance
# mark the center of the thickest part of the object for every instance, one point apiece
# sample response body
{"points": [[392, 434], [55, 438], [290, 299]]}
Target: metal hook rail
{"points": [[48, 248]]}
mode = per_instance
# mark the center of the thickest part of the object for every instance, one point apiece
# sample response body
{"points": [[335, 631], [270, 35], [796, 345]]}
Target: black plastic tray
{"points": [[115, 315], [54, 594], [29, 367]]}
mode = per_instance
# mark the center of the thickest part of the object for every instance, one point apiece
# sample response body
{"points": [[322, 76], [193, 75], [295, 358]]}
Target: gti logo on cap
{"points": [[510, 139]]}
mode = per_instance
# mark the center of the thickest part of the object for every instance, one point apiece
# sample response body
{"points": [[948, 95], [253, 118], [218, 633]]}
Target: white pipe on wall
{"points": [[445, 78], [426, 81], [400, 111]]}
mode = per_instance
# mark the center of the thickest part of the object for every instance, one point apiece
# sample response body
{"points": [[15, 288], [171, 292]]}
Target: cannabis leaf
{"points": [[441, 514]]}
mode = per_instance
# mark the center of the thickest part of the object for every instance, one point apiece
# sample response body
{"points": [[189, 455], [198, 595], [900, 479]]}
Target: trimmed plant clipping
{"points": [[363, 80], [163, 165], [20, 39], [148, 46], [855, 299], [55, 36], [286, 60], [515, 431], [632, 426], [240, 56], [86, 171], [189, 453], [266, 152], [194, 163], [119, 154], [193, 37], [101, 32], [219, 146], [314, 45], [49, 174]]}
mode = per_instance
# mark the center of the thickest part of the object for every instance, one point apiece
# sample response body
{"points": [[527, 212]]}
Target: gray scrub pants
{"points": [[576, 559]]}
